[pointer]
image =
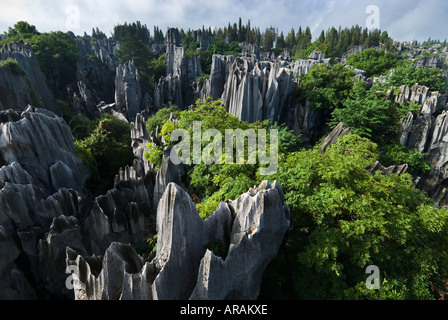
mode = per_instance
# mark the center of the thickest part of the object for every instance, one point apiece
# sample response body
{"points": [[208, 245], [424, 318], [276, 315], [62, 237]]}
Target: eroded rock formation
{"points": [[40, 179], [23, 90], [251, 228], [128, 94], [181, 72]]}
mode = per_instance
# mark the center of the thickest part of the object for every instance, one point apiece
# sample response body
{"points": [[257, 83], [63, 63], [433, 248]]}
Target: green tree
{"points": [[369, 114], [216, 182], [407, 74], [344, 219], [290, 40], [268, 39], [159, 119], [396, 154], [22, 30], [384, 37], [326, 86], [58, 56], [135, 44], [157, 68], [373, 62], [56, 52], [104, 152], [318, 46], [280, 43]]}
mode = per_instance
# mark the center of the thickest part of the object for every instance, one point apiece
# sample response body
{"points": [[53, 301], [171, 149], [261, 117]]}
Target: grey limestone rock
{"points": [[338, 132], [24, 55], [181, 73], [169, 172], [15, 91], [39, 140], [102, 48], [251, 228], [435, 183], [95, 83], [65, 231], [261, 220], [140, 139], [128, 94], [40, 179]]}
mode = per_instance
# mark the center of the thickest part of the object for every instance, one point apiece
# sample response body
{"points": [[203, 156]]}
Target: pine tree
{"points": [[290, 40], [280, 43]]}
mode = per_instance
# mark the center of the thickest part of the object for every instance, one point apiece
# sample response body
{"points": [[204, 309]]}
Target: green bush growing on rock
{"points": [[373, 62], [105, 150]]}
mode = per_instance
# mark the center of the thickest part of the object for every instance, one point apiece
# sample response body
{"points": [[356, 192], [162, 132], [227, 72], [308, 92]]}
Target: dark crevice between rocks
{"points": [[2, 161]]}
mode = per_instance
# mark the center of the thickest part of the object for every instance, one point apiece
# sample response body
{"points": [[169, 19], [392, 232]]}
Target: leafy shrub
{"points": [[13, 66], [318, 46], [373, 62], [407, 74], [159, 119], [81, 126], [154, 155], [213, 183], [326, 86], [396, 154], [368, 114], [110, 146], [202, 78], [344, 219]]}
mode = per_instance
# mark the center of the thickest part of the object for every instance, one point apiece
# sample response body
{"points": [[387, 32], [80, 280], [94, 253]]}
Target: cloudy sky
{"points": [[404, 19]]}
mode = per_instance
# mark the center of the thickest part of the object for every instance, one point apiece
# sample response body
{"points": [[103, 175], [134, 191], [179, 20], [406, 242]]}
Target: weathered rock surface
{"points": [[261, 220], [15, 91], [338, 132], [251, 227], [435, 182], [95, 84], [181, 73], [24, 55], [102, 48], [42, 144], [168, 173], [254, 89], [40, 179], [140, 138], [128, 94]]}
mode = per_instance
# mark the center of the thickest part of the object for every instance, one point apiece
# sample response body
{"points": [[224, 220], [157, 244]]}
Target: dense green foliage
{"points": [[373, 62], [396, 154], [369, 114], [135, 44], [315, 46], [219, 46], [213, 183], [216, 182], [159, 119], [326, 86], [13, 66], [134, 41], [56, 52], [345, 219], [104, 150], [407, 74]]}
